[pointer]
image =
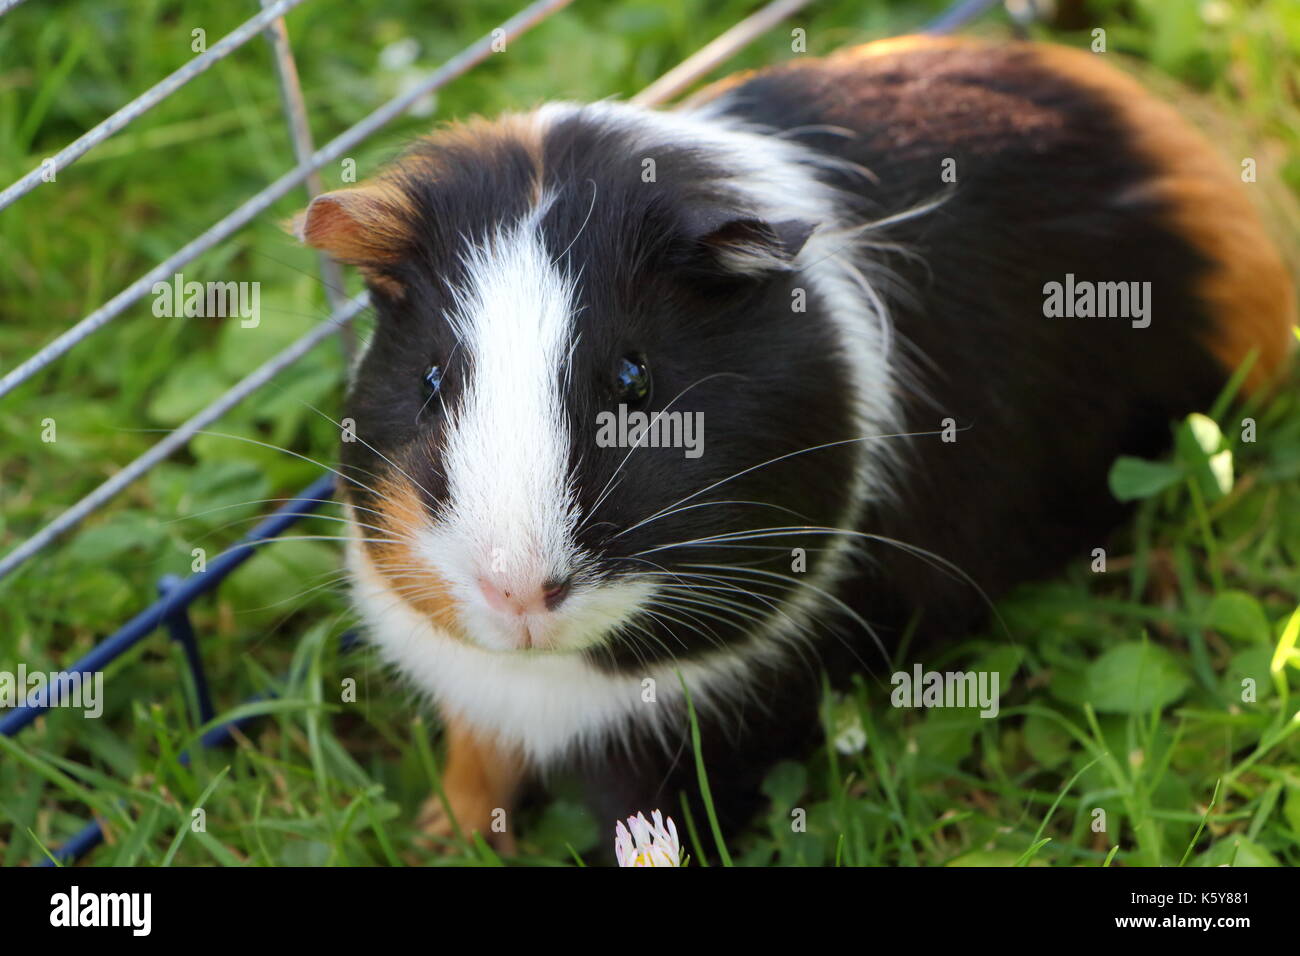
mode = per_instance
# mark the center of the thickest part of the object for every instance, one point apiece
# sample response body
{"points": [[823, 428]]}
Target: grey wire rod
{"points": [[147, 100], [717, 51], [699, 65], [521, 22], [960, 14], [295, 114], [180, 436], [74, 515]]}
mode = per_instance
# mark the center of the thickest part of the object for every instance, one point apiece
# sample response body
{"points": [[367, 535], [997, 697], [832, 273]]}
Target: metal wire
{"points": [[520, 23], [295, 113], [705, 59], [147, 100], [180, 436], [959, 14], [342, 313], [665, 87], [177, 596]]}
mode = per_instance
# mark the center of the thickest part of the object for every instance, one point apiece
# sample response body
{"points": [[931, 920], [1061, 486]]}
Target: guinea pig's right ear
{"points": [[367, 226], [742, 245]]}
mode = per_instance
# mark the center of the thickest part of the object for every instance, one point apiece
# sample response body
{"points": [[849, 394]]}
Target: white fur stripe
{"points": [[510, 511]]}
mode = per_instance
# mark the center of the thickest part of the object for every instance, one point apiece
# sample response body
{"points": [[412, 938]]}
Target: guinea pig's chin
{"points": [[532, 634], [587, 619]]}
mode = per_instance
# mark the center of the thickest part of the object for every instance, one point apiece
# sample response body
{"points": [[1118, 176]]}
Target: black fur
{"points": [[1048, 184]]}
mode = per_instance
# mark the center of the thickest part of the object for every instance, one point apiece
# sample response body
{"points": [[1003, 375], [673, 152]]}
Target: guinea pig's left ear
{"points": [[366, 226], [745, 245]]}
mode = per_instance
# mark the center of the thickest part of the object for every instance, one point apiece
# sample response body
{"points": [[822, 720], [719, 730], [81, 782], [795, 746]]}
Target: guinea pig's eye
{"points": [[433, 381], [631, 380]]}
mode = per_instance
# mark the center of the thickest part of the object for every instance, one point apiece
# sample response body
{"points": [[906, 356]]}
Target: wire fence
{"points": [[171, 611]]}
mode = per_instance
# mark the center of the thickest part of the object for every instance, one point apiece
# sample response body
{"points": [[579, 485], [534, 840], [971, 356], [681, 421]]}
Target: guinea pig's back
{"points": [[1040, 149], [1053, 170]]}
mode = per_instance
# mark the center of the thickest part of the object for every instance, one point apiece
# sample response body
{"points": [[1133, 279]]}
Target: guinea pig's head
{"points": [[598, 402]]}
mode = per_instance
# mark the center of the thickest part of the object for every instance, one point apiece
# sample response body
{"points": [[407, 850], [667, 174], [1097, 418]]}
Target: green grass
{"points": [[1122, 690]]}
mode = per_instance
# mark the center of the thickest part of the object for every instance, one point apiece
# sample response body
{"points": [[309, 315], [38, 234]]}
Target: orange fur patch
{"points": [[907, 44], [481, 776], [716, 89], [400, 512], [362, 226], [477, 135], [892, 45], [369, 225], [1248, 287]]}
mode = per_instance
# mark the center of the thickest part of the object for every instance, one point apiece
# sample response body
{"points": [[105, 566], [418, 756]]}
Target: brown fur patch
{"points": [[369, 225], [1248, 288], [394, 557], [362, 226], [481, 777], [485, 136], [715, 89], [481, 774], [366, 227], [891, 46]]}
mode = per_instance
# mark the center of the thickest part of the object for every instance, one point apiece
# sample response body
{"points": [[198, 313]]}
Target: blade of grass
{"points": [[691, 830], [1214, 799], [1038, 843], [705, 794]]}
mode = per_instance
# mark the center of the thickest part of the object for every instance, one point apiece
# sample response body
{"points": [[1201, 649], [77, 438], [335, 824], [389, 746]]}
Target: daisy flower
{"points": [[645, 842]]}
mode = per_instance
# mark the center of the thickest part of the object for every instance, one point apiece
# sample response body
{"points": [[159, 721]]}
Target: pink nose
{"points": [[527, 600]]}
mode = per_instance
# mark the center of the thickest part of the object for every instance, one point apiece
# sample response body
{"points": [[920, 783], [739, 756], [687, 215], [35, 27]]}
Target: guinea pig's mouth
{"points": [[554, 615], [560, 619], [491, 608]]}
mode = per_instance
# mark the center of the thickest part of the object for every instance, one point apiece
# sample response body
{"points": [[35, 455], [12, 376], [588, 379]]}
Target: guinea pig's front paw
{"points": [[437, 834], [480, 783]]}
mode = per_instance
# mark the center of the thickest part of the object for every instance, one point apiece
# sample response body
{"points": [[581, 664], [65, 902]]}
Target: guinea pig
{"points": [[728, 396]]}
